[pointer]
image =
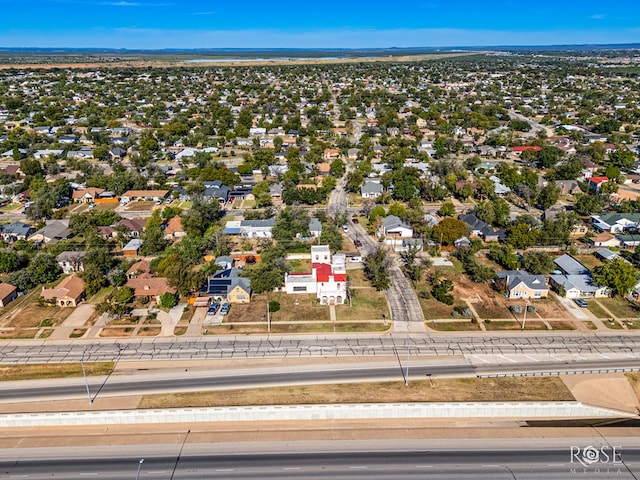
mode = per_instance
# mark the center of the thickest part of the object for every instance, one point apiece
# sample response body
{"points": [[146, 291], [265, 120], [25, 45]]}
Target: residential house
{"points": [[615, 222], [521, 284], [149, 195], [604, 239], [68, 293], [397, 234], [315, 228], [71, 262], [52, 232], [568, 187], [372, 188], [331, 154], [480, 228], [606, 254], [224, 262], [174, 230], [133, 226], [216, 190], [13, 231], [86, 195], [117, 153], [257, 228], [8, 293], [575, 279], [595, 183], [228, 283], [327, 280]]}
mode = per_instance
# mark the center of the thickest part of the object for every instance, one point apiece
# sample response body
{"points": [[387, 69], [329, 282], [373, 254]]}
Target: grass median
{"points": [[45, 370], [438, 390]]}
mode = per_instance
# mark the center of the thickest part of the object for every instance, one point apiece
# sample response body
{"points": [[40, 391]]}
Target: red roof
{"points": [[531, 148], [598, 180], [323, 272]]}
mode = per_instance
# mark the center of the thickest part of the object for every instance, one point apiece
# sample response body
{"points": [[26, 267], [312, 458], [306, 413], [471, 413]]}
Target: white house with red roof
{"points": [[327, 280]]}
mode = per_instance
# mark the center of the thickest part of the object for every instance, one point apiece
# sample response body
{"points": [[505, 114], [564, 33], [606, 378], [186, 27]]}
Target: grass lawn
{"points": [[620, 307], [597, 310], [143, 206], [25, 313], [454, 326], [104, 207], [298, 308], [589, 261], [438, 390], [300, 266], [634, 380], [560, 325], [434, 309], [100, 295], [500, 325], [36, 371], [367, 304], [492, 311], [357, 278], [327, 327]]}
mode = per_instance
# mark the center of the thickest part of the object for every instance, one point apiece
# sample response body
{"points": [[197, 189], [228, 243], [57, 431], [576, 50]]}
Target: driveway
{"points": [[77, 319]]}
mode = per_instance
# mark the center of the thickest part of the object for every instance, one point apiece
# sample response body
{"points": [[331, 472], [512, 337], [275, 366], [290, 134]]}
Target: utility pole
{"points": [[84, 374], [524, 319], [139, 467]]}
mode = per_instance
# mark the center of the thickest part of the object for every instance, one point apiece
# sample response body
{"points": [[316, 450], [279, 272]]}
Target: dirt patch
{"points": [[438, 390], [367, 304], [116, 332], [26, 313], [604, 390], [513, 325], [454, 326], [149, 331]]}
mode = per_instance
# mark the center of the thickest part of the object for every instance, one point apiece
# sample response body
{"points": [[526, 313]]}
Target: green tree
{"points": [[262, 194], [376, 268], [617, 274], [202, 215], [521, 234], [43, 269], [537, 263], [441, 291], [587, 204], [153, 238], [168, 300], [449, 230], [447, 209], [337, 168], [548, 196], [504, 256]]}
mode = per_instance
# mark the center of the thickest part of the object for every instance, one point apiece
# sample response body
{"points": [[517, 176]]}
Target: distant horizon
{"points": [[581, 46], [188, 24]]}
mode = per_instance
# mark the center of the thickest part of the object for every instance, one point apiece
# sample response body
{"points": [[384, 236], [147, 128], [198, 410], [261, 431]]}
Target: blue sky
{"points": [[308, 23]]}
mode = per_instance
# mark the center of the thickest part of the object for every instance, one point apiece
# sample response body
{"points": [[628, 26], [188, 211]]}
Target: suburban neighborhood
{"points": [[138, 202]]}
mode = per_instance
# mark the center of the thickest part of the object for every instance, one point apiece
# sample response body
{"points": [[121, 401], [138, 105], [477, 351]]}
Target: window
{"points": [[241, 296], [299, 289]]}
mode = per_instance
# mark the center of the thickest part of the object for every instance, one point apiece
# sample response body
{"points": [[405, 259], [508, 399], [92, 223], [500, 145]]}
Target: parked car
{"points": [[224, 310], [355, 259], [355, 220], [345, 228], [357, 243], [213, 308], [581, 303]]}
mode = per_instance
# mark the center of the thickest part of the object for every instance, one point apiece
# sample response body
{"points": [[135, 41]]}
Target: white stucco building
{"points": [[327, 280]]}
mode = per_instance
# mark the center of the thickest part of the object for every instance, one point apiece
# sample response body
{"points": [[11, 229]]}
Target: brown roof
{"points": [[6, 289], [143, 266], [149, 286], [174, 225], [133, 224], [145, 193], [92, 191], [70, 287]]}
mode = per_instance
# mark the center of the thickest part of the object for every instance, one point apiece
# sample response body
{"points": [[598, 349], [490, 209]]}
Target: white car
{"points": [[355, 259], [345, 228]]}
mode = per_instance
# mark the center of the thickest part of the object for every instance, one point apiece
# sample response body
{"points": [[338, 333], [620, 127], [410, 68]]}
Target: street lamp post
{"points": [[84, 374], [139, 467], [268, 319], [524, 319]]}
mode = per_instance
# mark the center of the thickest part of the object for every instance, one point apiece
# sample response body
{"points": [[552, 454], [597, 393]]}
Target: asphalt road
{"points": [[456, 464], [209, 380], [366, 345]]}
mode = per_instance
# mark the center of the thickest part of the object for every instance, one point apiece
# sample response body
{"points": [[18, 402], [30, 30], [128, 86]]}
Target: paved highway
{"points": [[412, 463], [211, 379], [548, 345]]}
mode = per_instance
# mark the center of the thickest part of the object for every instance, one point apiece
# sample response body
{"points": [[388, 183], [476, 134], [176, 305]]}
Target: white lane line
{"points": [[507, 358], [605, 356], [89, 474], [157, 472], [490, 466], [358, 468], [479, 358], [291, 468], [225, 469], [424, 466], [531, 358]]}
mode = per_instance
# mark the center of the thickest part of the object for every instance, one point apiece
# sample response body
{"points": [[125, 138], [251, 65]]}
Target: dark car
{"points": [[224, 310], [355, 220], [213, 308], [357, 243], [581, 303]]}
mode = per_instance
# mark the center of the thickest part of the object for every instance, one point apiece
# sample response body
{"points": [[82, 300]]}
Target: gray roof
{"points": [[371, 187], [476, 224], [55, 229], [582, 282], [223, 259], [570, 265], [71, 256], [269, 222], [315, 225], [16, 228], [516, 277], [607, 254], [391, 221]]}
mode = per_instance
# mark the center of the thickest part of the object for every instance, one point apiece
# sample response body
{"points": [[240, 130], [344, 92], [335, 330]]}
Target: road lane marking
{"points": [[291, 468], [424, 466], [358, 468], [490, 466], [89, 474], [507, 358], [225, 469], [531, 358], [157, 472], [479, 358]]}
